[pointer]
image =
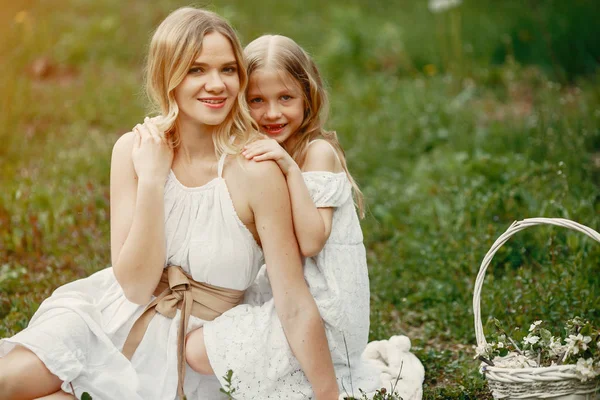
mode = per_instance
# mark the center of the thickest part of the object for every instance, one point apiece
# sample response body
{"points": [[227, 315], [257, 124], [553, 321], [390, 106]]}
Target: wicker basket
{"points": [[557, 382]]}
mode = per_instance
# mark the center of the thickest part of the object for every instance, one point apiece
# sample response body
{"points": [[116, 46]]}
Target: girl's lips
{"points": [[274, 129], [213, 102]]}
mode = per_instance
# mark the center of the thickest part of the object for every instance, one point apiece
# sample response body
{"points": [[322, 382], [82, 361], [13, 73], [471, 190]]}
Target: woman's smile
{"points": [[213, 102]]}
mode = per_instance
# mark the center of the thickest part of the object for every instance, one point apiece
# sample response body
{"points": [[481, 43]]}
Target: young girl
{"points": [[287, 100], [186, 224]]}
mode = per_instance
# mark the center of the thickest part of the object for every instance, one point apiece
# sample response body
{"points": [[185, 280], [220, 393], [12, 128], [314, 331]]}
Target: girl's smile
{"points": [[273, 129]]}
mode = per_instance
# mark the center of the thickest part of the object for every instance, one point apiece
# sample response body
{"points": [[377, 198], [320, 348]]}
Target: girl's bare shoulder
{"points": [[321, 156]]}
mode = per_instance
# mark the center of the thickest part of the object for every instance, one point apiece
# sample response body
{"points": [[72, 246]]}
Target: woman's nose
{"points": [[215, 83]]}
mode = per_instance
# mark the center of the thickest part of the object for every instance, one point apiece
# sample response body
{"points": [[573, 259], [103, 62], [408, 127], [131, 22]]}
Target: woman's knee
{"points": [[24, 376], [195, 353], [60, 395]]}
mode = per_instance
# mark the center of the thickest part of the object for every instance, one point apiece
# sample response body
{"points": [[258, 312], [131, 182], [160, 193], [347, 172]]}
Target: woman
{"points": [[184, 210]]}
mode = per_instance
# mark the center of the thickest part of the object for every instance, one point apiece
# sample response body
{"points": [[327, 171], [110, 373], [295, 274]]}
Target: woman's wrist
{"points": [[151, 182]]}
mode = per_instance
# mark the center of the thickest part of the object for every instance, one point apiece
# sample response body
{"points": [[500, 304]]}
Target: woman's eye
{"points": [[195, 70], [256, 100], [230, 70], [285, 97]]}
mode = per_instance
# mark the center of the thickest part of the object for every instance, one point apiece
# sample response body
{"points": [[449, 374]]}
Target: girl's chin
{"points": [[279, 137]]}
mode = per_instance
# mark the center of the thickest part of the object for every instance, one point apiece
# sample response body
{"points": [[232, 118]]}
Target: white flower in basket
{"points": [[543, 366]]}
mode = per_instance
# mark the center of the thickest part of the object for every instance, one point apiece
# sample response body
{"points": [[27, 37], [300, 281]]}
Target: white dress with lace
{"points": [[79, 331], [249, 339]]}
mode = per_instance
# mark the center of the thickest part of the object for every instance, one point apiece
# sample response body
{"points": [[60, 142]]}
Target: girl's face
{"points": [[211, 86], [276, 103]]}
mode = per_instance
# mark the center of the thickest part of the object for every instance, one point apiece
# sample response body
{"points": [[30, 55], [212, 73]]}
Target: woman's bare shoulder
{"points": [[256, 172], [124, 143]]}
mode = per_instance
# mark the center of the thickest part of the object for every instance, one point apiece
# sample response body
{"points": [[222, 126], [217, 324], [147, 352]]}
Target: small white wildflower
{"points": [[585, 368], [438, 6], [500, 345], [555, 346], [585, 341], [571, 341], [536, 323], [531, 339]]}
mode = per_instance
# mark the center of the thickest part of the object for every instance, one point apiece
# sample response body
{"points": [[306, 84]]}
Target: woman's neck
{"points": [[196, 142]]}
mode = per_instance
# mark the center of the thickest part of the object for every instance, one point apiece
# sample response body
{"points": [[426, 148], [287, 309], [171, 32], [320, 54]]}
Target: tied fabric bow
{"points": [[178, 290]]}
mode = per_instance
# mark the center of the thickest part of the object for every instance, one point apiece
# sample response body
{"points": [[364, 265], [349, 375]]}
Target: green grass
{"points": [[447, 159]]}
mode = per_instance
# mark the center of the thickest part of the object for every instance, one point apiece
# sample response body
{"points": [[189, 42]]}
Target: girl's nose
{"points": [[273, 112]]}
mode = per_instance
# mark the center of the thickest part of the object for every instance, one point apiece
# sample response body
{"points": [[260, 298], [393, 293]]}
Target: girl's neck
{"points": [[291, 142]]}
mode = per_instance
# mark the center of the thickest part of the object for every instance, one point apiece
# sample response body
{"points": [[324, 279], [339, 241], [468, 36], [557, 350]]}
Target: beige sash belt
{"points": [[177, 290]]}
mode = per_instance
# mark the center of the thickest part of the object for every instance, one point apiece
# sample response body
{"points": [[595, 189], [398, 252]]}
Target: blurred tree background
{"points": [[457, 119]]}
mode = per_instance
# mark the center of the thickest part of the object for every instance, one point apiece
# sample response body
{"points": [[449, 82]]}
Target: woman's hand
{"points": [[269, 149], [152, 156]]}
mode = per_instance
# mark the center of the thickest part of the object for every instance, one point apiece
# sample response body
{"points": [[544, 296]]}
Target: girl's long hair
{"points": [[175, 45], [281, 53]]}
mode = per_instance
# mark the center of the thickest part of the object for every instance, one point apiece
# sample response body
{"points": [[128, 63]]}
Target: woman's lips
{"points": [[213, 102]]}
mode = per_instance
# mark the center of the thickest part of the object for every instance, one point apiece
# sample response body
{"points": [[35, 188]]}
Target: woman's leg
{"points": [[23, 376], [60, 395], [195, 353]]}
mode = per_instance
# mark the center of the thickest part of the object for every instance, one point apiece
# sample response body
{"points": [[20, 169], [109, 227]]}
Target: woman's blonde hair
{"points": [[281, 53], [175, 45]]}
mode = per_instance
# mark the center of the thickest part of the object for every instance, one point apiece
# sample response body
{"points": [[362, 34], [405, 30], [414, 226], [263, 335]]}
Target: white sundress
{"points": [[79, 331], [249, 338]]}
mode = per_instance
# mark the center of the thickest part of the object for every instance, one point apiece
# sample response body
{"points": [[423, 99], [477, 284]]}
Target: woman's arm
{"points": [[137, 213], [296, 308]]}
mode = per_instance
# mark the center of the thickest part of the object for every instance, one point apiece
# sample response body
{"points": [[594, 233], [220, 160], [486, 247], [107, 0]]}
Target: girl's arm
{"points": [[137, 212], [296, 308], [312, 225]]}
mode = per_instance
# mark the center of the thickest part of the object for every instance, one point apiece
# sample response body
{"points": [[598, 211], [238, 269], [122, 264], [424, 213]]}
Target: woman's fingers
{"points": [[147, 134], [137, 139], [153, 129]]}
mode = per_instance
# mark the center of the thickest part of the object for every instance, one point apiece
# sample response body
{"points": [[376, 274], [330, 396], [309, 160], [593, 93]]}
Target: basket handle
{"points": [[514, 228]]}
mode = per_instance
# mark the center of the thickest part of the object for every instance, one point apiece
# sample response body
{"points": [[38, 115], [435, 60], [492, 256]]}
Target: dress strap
{"points": [[220, 165]]}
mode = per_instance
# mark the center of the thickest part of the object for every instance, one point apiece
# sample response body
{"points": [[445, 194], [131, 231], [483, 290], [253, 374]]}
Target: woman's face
{"points": [[211, 86]]}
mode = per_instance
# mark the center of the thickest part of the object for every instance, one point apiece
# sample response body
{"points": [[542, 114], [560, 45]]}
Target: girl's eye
{"points": [[256, 100], [230, 70], [285, 97], [195, 70]]}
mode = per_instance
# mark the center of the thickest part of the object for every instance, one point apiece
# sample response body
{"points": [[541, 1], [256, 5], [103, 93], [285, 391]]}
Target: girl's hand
{"points": [[151, 154], [269, 149]]}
